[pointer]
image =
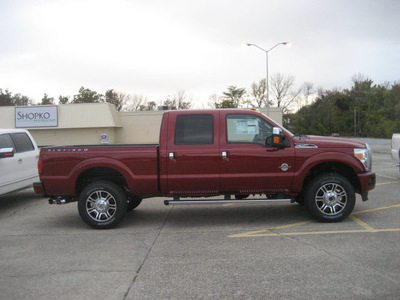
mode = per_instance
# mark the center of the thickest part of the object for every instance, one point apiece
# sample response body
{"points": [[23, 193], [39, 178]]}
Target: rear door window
{"points": [[22, 142], [194, 130]]}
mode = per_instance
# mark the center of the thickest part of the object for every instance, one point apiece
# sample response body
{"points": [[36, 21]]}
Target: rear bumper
{"points": [[38, 187]]}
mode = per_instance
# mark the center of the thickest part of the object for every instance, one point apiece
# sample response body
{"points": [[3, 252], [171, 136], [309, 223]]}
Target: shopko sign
{"points": [[36, 116]]}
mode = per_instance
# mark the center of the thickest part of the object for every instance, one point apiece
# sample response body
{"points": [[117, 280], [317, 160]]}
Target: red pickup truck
{"points": [[205, 153]]}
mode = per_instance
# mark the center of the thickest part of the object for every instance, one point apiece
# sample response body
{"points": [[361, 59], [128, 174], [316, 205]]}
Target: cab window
{"points": [[194, 130], [247, 129], [6, 141]]}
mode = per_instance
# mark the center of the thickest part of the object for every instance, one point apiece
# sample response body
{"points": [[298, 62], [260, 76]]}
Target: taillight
{"points": [[39, 163]]}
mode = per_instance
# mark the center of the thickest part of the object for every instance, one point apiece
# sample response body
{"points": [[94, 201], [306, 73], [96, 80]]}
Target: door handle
{"points": [[171, 155], [19, 160]]}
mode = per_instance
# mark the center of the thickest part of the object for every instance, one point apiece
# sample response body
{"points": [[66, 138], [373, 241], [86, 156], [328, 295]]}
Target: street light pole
{"points": [[266, 58]]}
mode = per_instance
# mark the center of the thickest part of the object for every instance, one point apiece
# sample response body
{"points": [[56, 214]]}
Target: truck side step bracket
{"points": [[60, 200], [222, 201]]}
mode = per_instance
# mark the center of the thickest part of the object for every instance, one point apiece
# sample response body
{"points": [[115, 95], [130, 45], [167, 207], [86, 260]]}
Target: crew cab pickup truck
{"points": [[228, 153], [18, 160]]}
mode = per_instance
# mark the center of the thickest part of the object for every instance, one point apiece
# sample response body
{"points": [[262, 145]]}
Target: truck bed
{"points": [[65, 167]]}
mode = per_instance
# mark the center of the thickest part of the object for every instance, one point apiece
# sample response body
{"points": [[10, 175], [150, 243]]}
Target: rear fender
{"points": [[66, 185], [104, 162]]}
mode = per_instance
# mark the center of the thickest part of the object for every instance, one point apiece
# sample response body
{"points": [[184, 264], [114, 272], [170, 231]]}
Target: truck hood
{"points": [[328, 142]]}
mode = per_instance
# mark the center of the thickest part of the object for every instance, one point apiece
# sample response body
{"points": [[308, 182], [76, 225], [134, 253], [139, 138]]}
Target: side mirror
{"points": [[6, 152], [278, 138]]}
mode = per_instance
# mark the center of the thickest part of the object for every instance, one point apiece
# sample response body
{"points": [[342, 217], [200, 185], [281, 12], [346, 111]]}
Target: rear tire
{"points": [[134, 202], [330, 198], [102, 204]]}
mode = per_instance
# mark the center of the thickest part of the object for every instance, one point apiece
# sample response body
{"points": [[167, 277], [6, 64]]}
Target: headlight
{"points": [[365, 156]]}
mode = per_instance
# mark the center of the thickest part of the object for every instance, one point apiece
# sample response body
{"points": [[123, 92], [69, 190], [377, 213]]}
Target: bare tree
{"points": [[178, 101], [136, 102], [307, 90], [215, 99], [147, 106], [282, 88], [116, 98], [258, 91], [182, 100], [358, 78]]}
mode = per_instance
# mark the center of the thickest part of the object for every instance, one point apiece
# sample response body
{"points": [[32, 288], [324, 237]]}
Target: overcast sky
{"points": [[155, 48]]}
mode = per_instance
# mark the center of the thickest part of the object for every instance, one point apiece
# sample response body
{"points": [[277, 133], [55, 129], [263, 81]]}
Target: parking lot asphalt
{"points": [[231, 251]]}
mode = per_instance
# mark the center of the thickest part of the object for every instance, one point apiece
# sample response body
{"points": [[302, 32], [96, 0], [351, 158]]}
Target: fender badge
{"points": [[284, 167]]}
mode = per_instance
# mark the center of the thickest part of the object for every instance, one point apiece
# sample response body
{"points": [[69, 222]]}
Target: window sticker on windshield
{"points": [[246, 127]]}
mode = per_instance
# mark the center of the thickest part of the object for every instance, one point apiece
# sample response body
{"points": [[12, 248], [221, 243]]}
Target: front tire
{"points": [[102, 204], [330, 198]]}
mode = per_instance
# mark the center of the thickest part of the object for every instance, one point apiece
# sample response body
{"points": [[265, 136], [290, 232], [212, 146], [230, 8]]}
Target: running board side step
{"points": [[222, 201]]}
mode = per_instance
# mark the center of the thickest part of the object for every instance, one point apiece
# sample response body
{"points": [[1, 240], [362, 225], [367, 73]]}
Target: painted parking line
{"points": [[242, 235], [383, 183], [375, 209], [271, 232], [388, 177], [268, 231], [363, 224], [397, 180]]}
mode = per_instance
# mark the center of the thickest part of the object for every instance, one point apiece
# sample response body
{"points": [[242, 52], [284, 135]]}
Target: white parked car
{"points": [[396, 148], [18, 160]]}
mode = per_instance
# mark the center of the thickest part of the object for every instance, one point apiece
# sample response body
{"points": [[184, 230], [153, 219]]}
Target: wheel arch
{"points": [[100, 168], [333, 167], [100, 173]]}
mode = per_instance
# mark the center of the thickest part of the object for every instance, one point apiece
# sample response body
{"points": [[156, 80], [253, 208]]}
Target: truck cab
{"points": [[223, 152]]}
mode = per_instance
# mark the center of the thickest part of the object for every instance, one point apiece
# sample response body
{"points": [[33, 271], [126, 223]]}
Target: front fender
{"points": [[304, 166]]}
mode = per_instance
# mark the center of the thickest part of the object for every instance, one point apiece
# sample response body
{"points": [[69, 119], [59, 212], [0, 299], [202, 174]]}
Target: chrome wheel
{"points": [[331, 199], [101, 206]]}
